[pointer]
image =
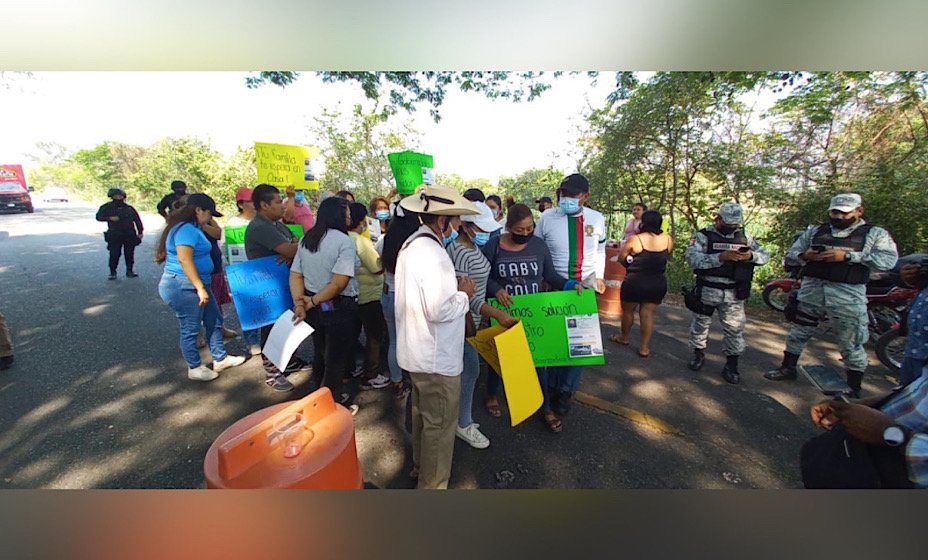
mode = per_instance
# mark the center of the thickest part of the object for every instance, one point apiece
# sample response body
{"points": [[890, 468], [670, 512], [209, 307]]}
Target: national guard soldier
{"points": [[723, 256], [838, 258]]}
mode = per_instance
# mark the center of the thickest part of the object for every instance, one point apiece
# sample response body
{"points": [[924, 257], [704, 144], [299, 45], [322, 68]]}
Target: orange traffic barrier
{"points": [[609, 302], [250, 453]]}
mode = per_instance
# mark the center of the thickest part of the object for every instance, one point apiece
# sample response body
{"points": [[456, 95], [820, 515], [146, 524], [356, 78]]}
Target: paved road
{"points": [[99, 398]]}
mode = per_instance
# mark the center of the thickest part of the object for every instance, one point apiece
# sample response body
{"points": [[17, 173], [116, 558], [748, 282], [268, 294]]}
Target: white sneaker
{"points": [[227, 362], [473, 436], [201, 373], [255, 349]]}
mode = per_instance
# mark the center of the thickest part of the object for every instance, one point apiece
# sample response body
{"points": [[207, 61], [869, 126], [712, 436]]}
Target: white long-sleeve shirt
{"points": [[577, 243], [429, 308]]}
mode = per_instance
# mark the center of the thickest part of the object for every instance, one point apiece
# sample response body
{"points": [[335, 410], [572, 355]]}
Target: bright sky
{"points": [[477, 137]]}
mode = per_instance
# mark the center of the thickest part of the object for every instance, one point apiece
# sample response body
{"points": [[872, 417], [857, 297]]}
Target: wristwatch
{"points": [[896, 435], [847, 256]]}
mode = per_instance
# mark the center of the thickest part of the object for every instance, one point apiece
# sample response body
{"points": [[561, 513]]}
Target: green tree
{"points": [[395, 91], [531, 184], [188, 159], [461, 184], [356, 151]]}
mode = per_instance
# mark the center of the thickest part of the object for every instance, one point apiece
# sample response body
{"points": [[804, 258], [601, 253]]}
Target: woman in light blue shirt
{"points": [[185, 285]]}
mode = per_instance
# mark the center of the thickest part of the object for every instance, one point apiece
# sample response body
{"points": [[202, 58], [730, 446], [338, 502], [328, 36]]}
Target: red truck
{"points": [[14, 192]]}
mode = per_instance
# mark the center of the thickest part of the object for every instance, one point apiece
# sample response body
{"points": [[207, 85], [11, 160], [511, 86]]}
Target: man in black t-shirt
{"points": [[167, 204]]}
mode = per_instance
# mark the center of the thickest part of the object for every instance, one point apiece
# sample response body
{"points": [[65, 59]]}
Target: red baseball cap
{"points": [[244, 193]]}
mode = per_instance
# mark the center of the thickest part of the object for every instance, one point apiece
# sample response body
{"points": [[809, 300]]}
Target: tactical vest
{"points": [[718, 243], [845, 272]]}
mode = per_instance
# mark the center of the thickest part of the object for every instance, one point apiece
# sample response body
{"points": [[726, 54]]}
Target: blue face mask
{"points": [[481, 238], [382, 215], [448, 240], [299, 197], [569, 205]]}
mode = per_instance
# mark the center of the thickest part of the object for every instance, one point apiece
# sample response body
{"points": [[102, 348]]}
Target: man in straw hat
{"points": [[837, 259], [430, 307]]}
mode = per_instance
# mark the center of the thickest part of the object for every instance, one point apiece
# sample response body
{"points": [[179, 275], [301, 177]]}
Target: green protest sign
{"points": [[562, 328], [235, 241], [411, 169]]}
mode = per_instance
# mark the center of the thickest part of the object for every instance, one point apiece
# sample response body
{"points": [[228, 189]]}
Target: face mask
{"points": [[519, 239], [842, 223], [569, 205], [542, 208], [727, 230], [481, 238], [448, 240], [299, 197], [120, 202], [382, 215]]}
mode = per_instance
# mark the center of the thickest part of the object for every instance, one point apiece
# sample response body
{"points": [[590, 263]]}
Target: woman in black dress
{"points": [[645, 256]]}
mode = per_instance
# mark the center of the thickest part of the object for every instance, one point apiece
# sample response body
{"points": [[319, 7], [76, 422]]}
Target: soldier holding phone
{"points": [[838, 258]]}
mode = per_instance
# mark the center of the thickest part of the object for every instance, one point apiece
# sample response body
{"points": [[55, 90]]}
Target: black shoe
{"points": [[782, 373], [130, 274], [112, 275], [6, 362], [731, 375], [697, 362]]}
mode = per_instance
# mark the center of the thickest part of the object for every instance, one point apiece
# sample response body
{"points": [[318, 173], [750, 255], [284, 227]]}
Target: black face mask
{"points": [[842, 223], [120, 202], [520, 239], [727, 230], [542, 208]]}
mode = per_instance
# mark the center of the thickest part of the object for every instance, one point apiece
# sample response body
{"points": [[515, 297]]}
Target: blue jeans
{"points": [[468, 382], [565, 379], [178, 292], [389, 316]]}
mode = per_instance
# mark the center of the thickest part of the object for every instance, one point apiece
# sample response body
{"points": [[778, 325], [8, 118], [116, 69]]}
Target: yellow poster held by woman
{"points": [[506, 351], [281, 165]]}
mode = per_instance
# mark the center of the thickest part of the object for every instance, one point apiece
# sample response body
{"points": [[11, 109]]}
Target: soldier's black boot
{"points": [[854, 379], [699, 358], [730, 371], [787, 369]]}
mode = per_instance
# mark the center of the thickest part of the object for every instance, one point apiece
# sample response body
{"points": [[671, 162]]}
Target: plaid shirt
{"points": [[909, 408]]}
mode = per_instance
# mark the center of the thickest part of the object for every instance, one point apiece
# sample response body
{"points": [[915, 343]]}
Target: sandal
{"points": [[618, 339], [492, 405], [551, 421]]}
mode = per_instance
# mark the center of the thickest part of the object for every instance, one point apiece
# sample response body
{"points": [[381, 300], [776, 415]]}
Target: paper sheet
{"points": [[584, 338], [284, 339]]}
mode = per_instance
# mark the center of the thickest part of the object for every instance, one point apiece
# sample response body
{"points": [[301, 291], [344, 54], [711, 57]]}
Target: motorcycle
{"points": [[886, 299], [890, 346]]}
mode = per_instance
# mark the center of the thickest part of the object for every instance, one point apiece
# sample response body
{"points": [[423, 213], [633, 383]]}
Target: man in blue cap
{"points": [[838, 258], [723, 256]]}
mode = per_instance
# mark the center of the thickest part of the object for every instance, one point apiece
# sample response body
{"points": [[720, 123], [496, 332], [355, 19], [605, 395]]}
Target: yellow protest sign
{"points": [[507, 352], [282, 165]]}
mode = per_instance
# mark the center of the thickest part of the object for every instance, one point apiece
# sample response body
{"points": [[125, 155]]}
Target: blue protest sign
{"points": [[261, 291]]}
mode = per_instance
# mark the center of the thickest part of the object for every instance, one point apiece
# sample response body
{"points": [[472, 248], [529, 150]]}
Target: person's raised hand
{"points": [[862, 422], [502, 296], [291, 191], [823, 415]]}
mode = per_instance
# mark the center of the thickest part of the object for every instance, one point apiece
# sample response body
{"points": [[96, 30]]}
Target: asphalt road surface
{"points": [[99, 398]]}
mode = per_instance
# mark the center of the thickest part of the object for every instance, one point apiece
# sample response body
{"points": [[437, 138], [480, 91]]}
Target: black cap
{"points": [[202, 200], [178, 186], [574, 184], [544, 199], [116, 191]]}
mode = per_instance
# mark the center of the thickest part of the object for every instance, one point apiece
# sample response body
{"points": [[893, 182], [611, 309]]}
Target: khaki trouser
{"points": [[435, 401], [6, 343]]}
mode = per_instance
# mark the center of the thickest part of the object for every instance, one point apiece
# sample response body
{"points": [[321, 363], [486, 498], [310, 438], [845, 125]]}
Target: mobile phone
{"points": [[743, 249], [327, 306], [817, 248]]}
